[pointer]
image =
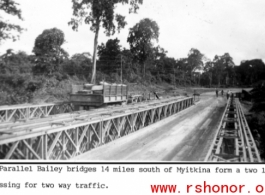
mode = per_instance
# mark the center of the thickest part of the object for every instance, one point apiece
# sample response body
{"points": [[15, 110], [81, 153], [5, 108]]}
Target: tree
{"points": [[223, 68], [78, 65], [15, 63], [163, 67], [208, 71], [128, 69], [109, 55], [195, 62], [15, 76], [98, 14], [182, 65], [140, 39], [9, 7], [48, 51], [251, 71], [229, 69], [111, 49]]}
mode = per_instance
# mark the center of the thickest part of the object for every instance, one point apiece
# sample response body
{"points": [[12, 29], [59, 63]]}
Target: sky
{"points": [[214, 27]]}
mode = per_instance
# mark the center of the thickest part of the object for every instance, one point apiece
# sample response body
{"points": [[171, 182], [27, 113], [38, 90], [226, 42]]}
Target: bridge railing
{"points": [[65, 141], [30, 111]]}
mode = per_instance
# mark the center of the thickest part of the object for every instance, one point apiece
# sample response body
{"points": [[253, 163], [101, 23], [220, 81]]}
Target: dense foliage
{"points": [[48, 51], [50, 71], [9, 30], [256, 120], [100, 14], [47, 75], [140, 39]]}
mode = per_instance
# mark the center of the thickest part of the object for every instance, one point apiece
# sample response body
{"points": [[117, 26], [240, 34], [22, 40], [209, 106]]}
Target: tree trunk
{"points": [[94, 68]]}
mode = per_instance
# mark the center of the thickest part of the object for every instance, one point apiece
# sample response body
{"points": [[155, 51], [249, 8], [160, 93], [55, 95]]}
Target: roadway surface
{"points": [[186, 136]]}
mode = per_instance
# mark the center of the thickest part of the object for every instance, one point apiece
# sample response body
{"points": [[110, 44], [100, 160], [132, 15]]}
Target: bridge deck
{"points": [[186, 136]]}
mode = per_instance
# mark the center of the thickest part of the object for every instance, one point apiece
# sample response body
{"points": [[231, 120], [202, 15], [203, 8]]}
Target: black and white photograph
{"points": [[132, 81]]}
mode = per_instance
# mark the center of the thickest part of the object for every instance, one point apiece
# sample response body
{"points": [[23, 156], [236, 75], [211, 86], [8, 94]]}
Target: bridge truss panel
{"points": [[16, 113], [66, 141]]}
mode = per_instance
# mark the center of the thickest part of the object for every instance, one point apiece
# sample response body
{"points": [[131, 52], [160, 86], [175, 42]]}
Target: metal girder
{"points": [[64, 140], [22, 112], [233, 141]]}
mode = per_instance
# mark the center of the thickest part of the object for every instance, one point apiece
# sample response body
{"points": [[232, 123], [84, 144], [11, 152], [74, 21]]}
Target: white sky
{"points": [[212, 26]]}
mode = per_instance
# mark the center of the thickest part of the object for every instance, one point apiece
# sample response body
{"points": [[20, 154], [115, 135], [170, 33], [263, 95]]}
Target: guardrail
{"points": [[66, 140]]}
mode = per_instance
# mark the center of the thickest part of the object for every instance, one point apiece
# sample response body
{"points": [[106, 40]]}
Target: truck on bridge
{"points": [[90, 96]]}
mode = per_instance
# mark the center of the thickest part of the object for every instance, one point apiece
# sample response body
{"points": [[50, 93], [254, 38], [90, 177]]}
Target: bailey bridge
{"points": [[54, 131]]}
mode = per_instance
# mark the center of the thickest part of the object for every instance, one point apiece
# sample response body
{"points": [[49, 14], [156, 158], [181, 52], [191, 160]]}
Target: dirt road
{"points": [[186, 136]]}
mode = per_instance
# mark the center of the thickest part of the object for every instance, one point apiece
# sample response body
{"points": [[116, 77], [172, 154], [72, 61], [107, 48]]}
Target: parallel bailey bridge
{"points": [[65, 136], [55, 131]]}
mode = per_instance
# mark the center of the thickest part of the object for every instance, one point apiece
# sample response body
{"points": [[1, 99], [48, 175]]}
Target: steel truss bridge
{"points": [[233, 141], [63, 136], [26, 112]]}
